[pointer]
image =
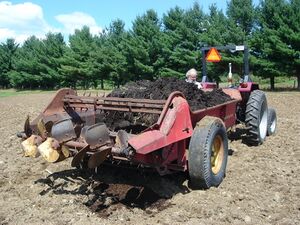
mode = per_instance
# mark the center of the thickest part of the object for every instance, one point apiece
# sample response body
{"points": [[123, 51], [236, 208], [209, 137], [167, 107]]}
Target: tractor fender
{"points": [[175, 126], [248, 87]]}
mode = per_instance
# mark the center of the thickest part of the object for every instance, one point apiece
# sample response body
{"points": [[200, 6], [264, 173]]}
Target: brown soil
{"points": [[262, 184]]}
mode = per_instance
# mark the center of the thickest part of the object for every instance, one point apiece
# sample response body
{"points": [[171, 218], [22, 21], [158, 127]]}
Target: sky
{"points": [[21, 19]]}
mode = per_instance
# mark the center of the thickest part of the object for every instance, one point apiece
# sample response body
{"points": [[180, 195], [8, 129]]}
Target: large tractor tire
{"points": [[272, 121], [208, 153], [257, 117]]}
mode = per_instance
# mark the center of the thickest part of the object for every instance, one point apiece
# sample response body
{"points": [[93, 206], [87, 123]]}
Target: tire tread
{"points": [[253, 116]]}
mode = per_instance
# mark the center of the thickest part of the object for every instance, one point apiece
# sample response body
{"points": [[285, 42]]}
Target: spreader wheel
{"points": [[272, 121], [257, 117], [208, 153]]}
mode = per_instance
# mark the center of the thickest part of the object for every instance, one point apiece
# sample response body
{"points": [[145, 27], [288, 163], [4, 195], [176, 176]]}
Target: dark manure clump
{"points": [[159, 89]]}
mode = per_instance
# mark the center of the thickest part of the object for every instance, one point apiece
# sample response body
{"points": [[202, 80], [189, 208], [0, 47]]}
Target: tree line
{"points": [[160, 47]]}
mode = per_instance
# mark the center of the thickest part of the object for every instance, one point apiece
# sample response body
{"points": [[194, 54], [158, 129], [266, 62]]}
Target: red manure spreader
{"points": [[170, 136]]}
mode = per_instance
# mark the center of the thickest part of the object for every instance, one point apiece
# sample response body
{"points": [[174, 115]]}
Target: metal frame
{"points": [[162, 145]]}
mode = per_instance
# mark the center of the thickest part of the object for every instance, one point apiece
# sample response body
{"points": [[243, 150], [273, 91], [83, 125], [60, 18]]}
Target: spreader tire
{"points": [[272, 122], [208, 153], [257, 117]]}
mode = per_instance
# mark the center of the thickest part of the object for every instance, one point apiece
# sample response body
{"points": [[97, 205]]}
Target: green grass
{"points": [[280, 82], [13, 92]]}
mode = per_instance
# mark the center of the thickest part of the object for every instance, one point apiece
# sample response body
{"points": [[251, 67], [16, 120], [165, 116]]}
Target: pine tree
{"points": [[76, 64], [181, 38], [240, 24], [143, 46], [268, 44], [242, 13], [28, 65], [7, 54], [290, 34], [37, 62], [109, 60], [53, 49]]}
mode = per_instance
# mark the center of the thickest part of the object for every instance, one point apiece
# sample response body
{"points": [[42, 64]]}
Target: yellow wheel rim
{"points": [[217, 154]]}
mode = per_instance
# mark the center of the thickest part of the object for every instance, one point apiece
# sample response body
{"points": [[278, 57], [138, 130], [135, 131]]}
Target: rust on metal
{"points": [[76, 145], [115, 104], [79, 156], [27, 128], [42, 129], [98, 157]]}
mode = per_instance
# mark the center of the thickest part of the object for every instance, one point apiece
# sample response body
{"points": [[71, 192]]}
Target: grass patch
{"points": [[14, 92], [280, 82]]}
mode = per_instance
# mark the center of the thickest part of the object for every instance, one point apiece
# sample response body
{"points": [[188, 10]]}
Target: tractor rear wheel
{"points": [[208, 153], [272, 122], [257, 117]]}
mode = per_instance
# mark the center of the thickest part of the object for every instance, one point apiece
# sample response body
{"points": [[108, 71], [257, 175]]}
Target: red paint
{"points": [[171, 133], [175, 126], [247, 87], [208, 85]]}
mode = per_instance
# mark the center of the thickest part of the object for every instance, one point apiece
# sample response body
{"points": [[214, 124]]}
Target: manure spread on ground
{"points": [[109, 191]]}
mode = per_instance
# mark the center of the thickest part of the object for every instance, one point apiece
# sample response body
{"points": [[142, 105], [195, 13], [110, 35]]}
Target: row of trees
{"points": [[158, 47]]}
